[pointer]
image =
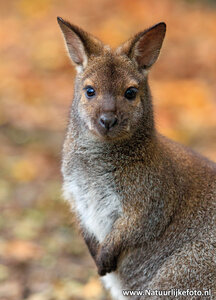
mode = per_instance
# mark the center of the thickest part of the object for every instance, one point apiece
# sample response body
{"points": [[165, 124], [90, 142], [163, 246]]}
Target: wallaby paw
{"points": [[106, 263], [103, 270]]}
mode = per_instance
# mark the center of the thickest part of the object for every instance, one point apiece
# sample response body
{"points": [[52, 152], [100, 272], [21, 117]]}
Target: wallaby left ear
{"points": [[80, 44], [145, 47]]}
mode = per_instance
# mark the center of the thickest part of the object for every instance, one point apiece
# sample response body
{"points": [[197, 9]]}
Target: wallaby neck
{"points": [[137, 145]]}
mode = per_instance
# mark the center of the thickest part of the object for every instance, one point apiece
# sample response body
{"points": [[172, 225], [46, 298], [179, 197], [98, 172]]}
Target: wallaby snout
{"points": [[108, 120]]}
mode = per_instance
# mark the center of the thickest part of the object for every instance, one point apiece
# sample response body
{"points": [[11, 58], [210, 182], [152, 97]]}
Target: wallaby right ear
{"points": [[144, 47], [80, 44]]}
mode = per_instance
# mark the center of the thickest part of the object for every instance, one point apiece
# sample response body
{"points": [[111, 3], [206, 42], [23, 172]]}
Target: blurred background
{"points": [[42, 256]]}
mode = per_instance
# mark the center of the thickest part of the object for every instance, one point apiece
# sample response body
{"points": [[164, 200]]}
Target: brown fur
{"points": [[165, 236]]}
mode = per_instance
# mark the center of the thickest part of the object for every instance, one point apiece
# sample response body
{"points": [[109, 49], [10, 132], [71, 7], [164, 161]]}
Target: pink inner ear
{"points": [[75, 47], [148, 47]]}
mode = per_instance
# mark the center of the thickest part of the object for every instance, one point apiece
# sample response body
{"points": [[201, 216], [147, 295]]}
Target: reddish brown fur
{"points": [[164, 237]]}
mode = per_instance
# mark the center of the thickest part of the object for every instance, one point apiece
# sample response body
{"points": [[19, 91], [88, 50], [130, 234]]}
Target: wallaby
{"points": [[145, 204]]}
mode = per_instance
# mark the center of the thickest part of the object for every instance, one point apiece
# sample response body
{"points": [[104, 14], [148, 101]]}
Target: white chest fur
{"points": [[98, 206], [112, 282], [95, 202]]}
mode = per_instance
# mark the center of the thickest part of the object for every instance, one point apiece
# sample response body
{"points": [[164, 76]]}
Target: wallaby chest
{"points": [[94, 198]]}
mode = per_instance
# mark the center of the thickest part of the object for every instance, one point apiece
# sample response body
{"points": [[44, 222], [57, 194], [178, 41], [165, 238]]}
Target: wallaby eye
{"points": [[90, 92], [131, 93]]}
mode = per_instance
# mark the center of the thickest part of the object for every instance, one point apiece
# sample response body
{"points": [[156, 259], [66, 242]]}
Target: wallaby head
{"points": [[112, 99]]}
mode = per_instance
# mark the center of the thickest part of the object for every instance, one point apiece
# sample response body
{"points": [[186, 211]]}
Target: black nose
{"points": [[108, 120]]}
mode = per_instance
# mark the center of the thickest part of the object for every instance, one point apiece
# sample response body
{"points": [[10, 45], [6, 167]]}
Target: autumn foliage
{"points": [[42, 256]]}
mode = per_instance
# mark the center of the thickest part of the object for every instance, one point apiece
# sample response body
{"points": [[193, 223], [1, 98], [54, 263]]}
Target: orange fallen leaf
{"points": [[92, 288], [21, 251]]}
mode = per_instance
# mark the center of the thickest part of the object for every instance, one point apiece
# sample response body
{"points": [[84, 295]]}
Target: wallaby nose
{"points": [[108, 120]]}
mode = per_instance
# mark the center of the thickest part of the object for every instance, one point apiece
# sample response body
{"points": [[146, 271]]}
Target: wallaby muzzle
{"points": [[108, 120]]}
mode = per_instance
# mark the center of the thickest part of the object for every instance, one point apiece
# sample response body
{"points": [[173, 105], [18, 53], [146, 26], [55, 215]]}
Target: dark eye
{"points": [[131, 93], [90, 92]]}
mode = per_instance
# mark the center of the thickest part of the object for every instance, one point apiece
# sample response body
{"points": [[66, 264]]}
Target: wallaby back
{"points": [[146, 205]]}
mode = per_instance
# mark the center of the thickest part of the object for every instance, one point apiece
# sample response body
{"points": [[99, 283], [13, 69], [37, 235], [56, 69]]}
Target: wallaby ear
{"points": [[145, 47], [80, 44]]}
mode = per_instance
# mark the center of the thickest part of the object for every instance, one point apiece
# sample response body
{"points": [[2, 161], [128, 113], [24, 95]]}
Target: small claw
{"points": [[102, 272]]}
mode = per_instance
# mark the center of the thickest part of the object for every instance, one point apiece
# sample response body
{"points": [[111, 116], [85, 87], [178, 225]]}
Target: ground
{"points": [[42, 256]]}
